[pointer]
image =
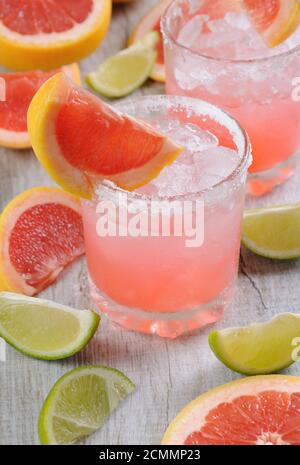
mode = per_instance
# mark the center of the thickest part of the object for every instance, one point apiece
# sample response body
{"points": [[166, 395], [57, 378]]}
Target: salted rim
{"points": [[168, 35], [195, 106]]}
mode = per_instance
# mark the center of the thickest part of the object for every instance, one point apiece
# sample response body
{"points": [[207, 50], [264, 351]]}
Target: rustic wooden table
{"points": [[168, 374]]}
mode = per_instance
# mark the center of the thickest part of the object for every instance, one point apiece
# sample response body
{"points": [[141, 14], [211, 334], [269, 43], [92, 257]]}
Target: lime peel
{"points": [[126, 71], [44, 329], [273, 232], [260, 348], [80, 402]]}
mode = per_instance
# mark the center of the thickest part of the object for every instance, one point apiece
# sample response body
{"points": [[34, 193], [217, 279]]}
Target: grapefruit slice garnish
{"points": [[79, 140], [275, 20], [41, 232], [261, 410], [151, 22], [45, 35], [19, 91]]}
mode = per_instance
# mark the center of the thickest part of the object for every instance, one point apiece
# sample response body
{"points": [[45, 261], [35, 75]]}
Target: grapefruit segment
{"points": [[151, 22], [80, 140], [19, 91], [40, 233], [261, 410], [47, 34], [275, 20]]}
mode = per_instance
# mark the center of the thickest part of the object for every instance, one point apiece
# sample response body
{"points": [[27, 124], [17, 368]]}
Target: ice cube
{"points": [[193, 138], [219, 26], [214, 165], [176, 179], [238, 20], [184, 79], [204, 139], [191, 32]]}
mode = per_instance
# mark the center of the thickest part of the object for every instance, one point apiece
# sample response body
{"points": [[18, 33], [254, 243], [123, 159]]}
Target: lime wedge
{"points": [[43, 329], [273, 232], [80, 402], [260, 348], [126, 71]]}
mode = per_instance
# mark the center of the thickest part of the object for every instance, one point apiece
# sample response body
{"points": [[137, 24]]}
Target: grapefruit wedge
{"points": [[261, 410], [80, 140], [47, 34], [41, 232], [19, 91], [275, 20], [151, 22]]}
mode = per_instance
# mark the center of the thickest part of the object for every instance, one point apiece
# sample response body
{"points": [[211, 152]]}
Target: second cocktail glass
{"points": [[212, 52]]}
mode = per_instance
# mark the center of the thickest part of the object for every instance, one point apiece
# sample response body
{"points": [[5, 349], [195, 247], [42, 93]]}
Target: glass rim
{"points": [[205, 108], [165, 30]]}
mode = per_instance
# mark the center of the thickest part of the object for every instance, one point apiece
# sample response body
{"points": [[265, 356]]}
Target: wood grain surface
{"points": [[168, 374]]}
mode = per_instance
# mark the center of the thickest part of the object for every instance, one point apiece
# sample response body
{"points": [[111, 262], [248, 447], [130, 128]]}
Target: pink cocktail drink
{"points": [[213, 52], [168, 258]]}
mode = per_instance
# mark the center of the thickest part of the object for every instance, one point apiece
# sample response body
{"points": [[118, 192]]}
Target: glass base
{"points": [[263, 182], [164, 324]]}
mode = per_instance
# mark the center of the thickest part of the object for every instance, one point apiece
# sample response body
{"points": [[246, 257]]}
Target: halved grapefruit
{"points": [[275, 20], [41, 232], [80, 139], [261, 410], [47, 34], [19, 91], [151, 22]]}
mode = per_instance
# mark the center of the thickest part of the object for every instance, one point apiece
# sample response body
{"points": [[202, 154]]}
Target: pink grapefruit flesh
{"points": [[41, 232], [47, 34], [261, 410], [19, 91], [81, 140], [275, 20], [43, 16]]}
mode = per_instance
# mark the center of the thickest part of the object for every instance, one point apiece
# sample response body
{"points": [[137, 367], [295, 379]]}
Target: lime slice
{"points": [[43, 329], [260, 348], [126, 71], [80, 402], [273, 232]]}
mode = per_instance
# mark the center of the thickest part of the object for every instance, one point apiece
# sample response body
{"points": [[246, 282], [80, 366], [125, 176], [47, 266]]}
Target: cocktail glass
{"points": [[149, 270], [212, 52]]}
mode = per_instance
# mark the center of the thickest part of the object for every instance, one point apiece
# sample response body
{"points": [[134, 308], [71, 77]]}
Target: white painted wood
{"points": [[168, 374]]}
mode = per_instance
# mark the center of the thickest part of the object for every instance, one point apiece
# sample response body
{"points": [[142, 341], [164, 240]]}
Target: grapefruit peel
{"points": [[42, 116]]}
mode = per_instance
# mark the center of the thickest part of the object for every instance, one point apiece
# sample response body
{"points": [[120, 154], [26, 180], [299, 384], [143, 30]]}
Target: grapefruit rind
{"points": [[192, 417], [260, 348], [46, 51], [273, 232], [145, 25], [118, 387], [41, 119], [88, 324], [20, 140], [10, 279]]}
